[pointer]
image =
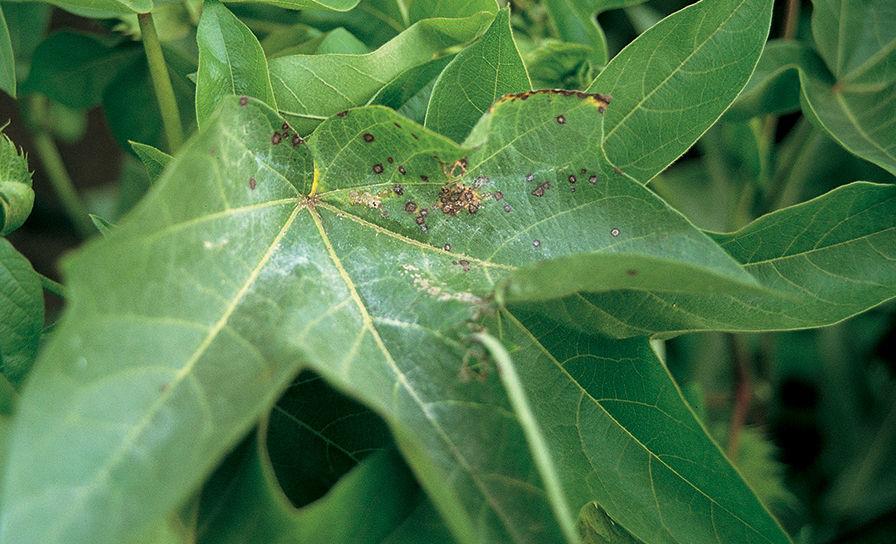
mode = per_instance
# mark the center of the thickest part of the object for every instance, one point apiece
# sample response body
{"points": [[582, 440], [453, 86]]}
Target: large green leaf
{"points": [[851, 100], [7, 59], [74, 69], [21, 313], [813, 265], [475, 79], [621, 434], [16, 194], [103, 8], [576, 22], [850, 97], [674, 81], [27, 26], [310, 88], [231, 61], [220, 290], [335, 5], [857, 40]]}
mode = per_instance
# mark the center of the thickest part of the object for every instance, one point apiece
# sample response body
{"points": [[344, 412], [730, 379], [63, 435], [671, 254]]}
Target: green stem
{"points": [[52, 286], [62, 183], [743, 395], [161, 82]]}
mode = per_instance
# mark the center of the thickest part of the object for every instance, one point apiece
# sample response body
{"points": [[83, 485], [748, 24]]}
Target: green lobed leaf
{"points": [[7, 59], [857, 40], [810, 265], [621, 434], [860, 121], [310, 88], [266, 262], [475, 79], [16, 194], [74, 69], [683, 72], [21, 313], [231, 61], [851, 98]]}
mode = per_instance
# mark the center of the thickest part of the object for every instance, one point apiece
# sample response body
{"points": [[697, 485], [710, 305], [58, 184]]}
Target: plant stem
{"points": [[52, 286], [62, 183], [161, 82], [791, 19], [743, 393]]}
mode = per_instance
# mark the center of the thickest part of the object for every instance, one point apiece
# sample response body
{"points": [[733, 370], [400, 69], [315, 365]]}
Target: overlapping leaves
{"points": [[369, 253], [372, 292]]}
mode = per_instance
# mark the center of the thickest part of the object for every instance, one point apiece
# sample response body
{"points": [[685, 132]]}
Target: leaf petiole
{"points": [[161, 82]]}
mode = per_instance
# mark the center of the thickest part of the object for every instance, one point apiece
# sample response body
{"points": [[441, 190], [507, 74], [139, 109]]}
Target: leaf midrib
{"points": [[368, 323]]}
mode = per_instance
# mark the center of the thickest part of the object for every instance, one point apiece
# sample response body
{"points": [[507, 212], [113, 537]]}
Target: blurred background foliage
{"points": [[809, 417]]}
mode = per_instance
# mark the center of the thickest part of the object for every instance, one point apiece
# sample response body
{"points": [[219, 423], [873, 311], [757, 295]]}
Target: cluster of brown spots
{"points": [[456, 197], [378, 168], [632, 272], [464, 264], [542, 187], [342, 114], [498, 195], [244, 101], [368, 137], [252, 183], [424, 178], [420, 218], [398, 189], [286, 134], [390, 160], [601, 100]]}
